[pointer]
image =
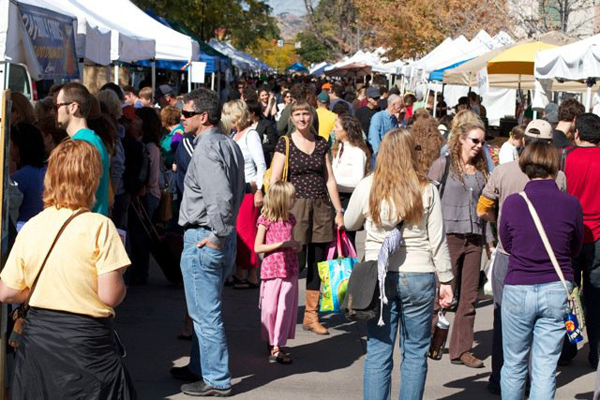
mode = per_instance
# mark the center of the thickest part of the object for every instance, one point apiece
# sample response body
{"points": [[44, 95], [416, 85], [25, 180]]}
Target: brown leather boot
{"points": [[311, 314]]}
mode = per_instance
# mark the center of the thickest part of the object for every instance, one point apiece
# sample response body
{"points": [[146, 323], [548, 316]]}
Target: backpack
{"points": [[563, 156], [441, 185], [362, 297], [137, 166]]}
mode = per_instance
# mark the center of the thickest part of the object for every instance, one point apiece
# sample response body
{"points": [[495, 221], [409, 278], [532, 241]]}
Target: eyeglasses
{"points": [[477, 141], [59, 105], [190, 114]]}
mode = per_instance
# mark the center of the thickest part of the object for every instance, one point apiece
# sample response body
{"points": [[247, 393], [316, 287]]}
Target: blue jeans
{"points": [[410, 305], [204, 271], [532, 322]]}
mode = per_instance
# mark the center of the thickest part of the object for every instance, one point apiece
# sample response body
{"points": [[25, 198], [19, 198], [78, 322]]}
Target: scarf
{"points": [[390, 245]]}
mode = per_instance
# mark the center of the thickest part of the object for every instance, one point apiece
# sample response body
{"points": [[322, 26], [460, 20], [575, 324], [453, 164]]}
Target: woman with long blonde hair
{"points": [[462, 175], [399, 196]]}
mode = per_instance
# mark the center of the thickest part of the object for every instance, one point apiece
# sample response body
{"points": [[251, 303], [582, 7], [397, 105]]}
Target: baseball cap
{"points": [[539, 129], [326, 86], [323, 97], [373, 92]]}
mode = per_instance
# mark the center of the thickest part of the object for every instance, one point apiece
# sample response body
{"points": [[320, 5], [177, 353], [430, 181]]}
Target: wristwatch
{"points": [[340, 211]]}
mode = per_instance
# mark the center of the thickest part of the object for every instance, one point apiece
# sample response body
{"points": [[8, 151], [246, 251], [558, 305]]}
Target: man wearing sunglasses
{"points": [[73, 104], [212, 195]]}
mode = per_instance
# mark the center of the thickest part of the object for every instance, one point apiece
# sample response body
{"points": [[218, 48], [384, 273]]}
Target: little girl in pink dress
{"points": [[279, 270]]}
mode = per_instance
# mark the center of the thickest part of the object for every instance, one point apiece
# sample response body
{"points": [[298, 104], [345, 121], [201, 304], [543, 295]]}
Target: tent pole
{"points": [[81, 69], [212, 81], [189, 78], [153, 63], [588, 99], [434, 102], [108, 73], [117, 72]]}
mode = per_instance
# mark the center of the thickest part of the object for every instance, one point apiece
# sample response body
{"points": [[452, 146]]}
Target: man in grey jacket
{"points": [[213, 193]]}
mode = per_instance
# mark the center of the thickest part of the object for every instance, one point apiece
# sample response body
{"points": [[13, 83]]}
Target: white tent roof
{"points": [[448, 46], [12, 39], [92, 41], [481, 44], [125, 17], [240, 59], [575, 61]]}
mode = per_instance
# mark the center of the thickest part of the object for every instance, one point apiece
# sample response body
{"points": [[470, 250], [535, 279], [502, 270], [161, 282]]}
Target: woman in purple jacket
{"points": [[534, 302]]}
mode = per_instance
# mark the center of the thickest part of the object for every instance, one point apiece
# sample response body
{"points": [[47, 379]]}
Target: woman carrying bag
{"points": [[310, 171], [67, 265], [399, 192], [534, 302]]}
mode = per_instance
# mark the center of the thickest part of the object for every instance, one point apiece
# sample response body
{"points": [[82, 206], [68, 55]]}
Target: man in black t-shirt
{"points": [[365, 113], [568, 112]]}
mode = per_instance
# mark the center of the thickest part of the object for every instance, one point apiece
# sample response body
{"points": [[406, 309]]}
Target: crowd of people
{"points": [[256, 180]]}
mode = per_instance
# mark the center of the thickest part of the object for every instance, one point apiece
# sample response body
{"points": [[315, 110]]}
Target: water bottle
{"points": [[438, 339]]}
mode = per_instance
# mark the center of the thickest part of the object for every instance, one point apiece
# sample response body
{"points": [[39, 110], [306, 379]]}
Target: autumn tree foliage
{"points": [[277, 57], [413, 28]]}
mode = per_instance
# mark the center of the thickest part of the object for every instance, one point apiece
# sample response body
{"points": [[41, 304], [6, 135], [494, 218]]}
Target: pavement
{"points": [[324, 367]]}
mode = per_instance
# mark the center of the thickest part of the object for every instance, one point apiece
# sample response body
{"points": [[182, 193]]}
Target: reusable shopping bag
{"points": [[335, 273]]}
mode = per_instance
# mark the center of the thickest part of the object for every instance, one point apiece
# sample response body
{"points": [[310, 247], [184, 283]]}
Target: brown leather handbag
{"points": [[20, 313]]}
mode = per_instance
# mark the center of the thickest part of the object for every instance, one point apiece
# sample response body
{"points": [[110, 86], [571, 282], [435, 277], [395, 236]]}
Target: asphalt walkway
{"points": [[325, 367]]}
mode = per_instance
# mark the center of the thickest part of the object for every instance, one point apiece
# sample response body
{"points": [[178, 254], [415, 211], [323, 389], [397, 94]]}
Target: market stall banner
{"points": [[53, 39]]}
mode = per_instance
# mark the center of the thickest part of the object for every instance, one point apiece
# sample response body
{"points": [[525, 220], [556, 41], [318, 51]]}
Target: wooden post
{"points": [[4, 135]]}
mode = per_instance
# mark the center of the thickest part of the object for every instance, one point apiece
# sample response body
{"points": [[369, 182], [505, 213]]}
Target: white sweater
{"points": [[254, 158], [349, 168], [423, 248]]}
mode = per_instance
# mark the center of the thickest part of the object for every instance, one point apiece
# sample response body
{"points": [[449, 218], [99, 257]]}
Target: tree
{"points": [[277, 57], [312, 50], [413, 28], [572, 17], [333, 23], [244, 21]]}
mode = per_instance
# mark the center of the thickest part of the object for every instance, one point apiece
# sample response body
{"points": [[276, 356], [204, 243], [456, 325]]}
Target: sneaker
{"points": [[468, 360], [202, 389], [184, 374]]}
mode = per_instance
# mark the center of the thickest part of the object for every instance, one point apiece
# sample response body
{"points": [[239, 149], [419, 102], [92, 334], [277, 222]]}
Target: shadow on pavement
{"points": [[472, 388]]}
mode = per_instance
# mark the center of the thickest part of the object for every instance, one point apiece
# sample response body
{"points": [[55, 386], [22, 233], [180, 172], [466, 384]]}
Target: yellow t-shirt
{"points": [[88, 247], [326, 122]]}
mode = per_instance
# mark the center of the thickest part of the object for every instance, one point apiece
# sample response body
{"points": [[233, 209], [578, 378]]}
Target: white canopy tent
{"points": [[240, 59], [574, 62], [93, 41], [124, 17]]}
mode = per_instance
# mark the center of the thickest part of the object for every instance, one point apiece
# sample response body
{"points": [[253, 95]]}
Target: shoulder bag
{"points": [[573, 298], [20, 313], [284, 176]]}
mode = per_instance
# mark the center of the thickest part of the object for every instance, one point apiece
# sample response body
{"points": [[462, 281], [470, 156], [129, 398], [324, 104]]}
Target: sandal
{"points": [[241, 284], [252, 285], [278, 356]]}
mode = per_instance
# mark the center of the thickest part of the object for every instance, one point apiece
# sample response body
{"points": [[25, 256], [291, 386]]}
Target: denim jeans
{"points": [[410, 305], [532, 322], [204, 271]]}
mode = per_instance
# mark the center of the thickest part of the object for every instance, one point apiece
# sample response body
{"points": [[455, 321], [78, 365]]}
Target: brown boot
{"points": [[311, 314]]}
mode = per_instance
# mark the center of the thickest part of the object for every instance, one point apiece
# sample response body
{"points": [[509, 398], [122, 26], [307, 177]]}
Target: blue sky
{"points": [[291, 6]]}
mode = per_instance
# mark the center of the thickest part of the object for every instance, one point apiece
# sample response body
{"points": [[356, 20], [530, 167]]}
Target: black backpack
{"points": [[362, 297]]}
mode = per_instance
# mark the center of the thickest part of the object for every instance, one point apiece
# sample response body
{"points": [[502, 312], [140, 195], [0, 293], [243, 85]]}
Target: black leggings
{"points": [[314, 253]]}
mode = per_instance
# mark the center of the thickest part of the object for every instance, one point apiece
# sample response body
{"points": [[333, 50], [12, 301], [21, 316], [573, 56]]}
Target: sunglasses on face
{"points": [[190, 114], [57, 106], [477, 141]]}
